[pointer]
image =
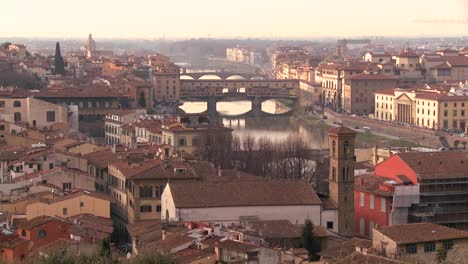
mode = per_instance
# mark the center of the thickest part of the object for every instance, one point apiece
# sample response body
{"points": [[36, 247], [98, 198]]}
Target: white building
{"points": [[229, 201]]}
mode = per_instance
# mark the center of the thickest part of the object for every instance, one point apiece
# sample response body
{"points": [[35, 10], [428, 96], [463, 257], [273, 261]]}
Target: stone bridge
{"points": [[255, 91], [222, 76]]}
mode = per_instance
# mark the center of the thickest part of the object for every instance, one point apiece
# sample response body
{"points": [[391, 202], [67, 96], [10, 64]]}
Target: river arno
{"points": [[273, 127]]}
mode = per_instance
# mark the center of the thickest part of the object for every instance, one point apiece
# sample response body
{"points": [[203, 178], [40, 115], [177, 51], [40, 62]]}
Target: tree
{"points": [[59, 64], [441, 255], [142, 100], [105, 248], [5, 45], [308, 240]]}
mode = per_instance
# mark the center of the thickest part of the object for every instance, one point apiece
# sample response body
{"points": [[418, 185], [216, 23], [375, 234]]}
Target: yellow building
{"points": [[82, 202], [424, 108], [167, 82], [419, 241]]}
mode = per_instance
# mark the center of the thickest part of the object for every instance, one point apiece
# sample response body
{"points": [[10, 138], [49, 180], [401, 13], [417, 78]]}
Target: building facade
{"points": [[341, 177], [433, 109]]}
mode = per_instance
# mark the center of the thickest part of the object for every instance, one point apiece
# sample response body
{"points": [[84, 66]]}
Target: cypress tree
{"points": [[59, 64], [308, 240]]}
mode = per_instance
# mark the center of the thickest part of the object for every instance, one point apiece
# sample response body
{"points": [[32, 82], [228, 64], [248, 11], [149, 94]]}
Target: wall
{"points": [[378, 239], [78, 180], [296, 214], [71, 161], [393, 167], [91, 205], [330, 215], [376, 216]]}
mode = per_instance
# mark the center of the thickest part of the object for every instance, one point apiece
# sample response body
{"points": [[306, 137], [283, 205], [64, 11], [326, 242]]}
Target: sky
{"points": [[229, 18]]}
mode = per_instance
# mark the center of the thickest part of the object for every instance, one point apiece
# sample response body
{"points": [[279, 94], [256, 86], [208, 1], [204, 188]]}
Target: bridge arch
{"points": [[235, 77], [186, 77], [210, 77]]}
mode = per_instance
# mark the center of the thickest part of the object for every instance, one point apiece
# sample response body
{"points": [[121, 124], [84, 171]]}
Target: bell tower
{"points": [[341, 178]]}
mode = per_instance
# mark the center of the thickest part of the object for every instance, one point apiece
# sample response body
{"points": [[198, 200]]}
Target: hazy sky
{"points": [[229, 18]]}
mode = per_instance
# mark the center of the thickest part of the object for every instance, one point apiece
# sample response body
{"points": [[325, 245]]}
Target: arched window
{"points": [[346, 149], [343, 176], [333, 148], [17, 116], [16, 104], [42, 233], [23, 233]]}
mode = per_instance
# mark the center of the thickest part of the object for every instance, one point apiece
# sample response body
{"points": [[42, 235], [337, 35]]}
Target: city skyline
{"points": [[260, 19]]}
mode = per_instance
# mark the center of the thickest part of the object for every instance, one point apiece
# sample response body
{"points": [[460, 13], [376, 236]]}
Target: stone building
{"points": [[359, 89], [341, 178], [429, 108]]}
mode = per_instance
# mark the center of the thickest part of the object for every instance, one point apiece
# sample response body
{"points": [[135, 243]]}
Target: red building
{"points": [[372, 199], [413, 187], [32, 235]]}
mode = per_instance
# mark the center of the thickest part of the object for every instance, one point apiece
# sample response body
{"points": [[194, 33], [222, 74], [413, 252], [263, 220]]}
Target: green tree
{"points": [[308, 240], [441, 255], [59, 64], [105, 248], [5, 45], [142, 100]]}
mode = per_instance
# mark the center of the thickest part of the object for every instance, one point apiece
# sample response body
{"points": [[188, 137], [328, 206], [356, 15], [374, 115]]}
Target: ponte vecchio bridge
{"points": [[221, 76], [256, 91]]}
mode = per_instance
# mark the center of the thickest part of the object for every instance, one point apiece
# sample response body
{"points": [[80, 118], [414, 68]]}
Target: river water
{"points": [[273, 127]]}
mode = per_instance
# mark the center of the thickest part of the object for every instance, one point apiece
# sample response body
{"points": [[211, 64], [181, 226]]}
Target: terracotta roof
{"points": [[238, 246], [169, 243], [37, 221], [420, 232], [433, 165], [190, 255], [365, 76], [359, 258], [337, 248], [389, 91], [101, 158], [57, 199], [76, 92], [442, 66], [457, 61], [242, 193], [13, 243], [408, 55], [341, 130], [372, 184], [142, 227], [270, 229]]}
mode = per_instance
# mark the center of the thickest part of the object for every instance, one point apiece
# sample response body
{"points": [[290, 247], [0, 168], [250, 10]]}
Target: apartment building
{"points": [[32, 111], [429, 108], [247, 55], [413, 187], [359, 89], [166, 83], [378, 57], [419, 242], [69, 205], [114, 121], [408, 67]]}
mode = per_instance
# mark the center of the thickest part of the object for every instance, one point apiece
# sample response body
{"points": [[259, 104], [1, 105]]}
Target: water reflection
{"points": [[235, 108], [274, 127]]}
